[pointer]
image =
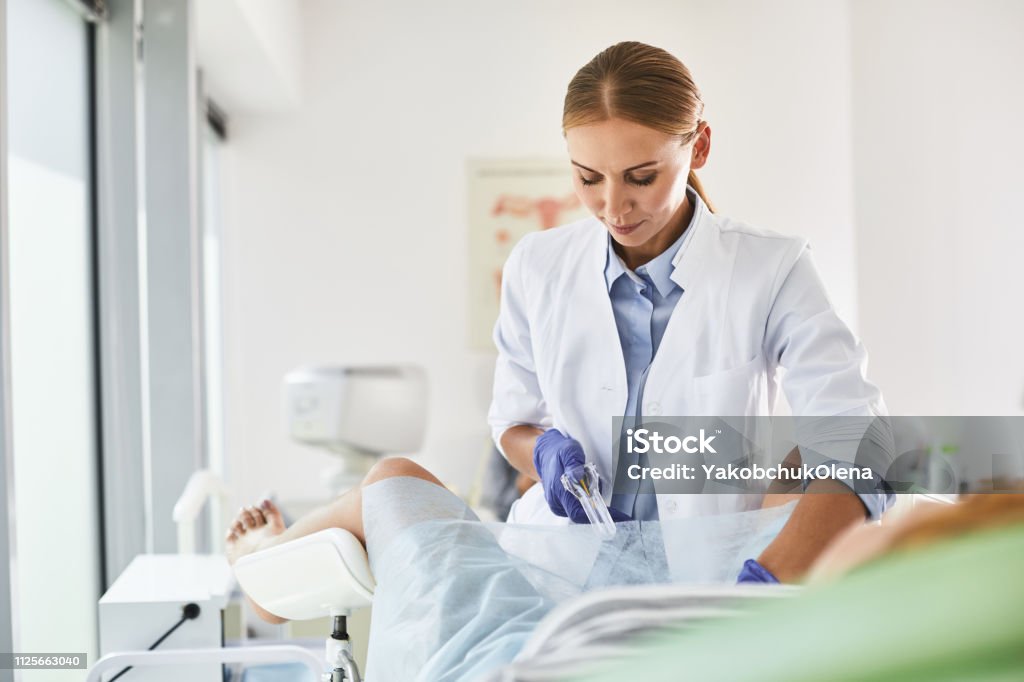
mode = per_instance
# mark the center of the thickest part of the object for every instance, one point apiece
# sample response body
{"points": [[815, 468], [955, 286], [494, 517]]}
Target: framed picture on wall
{"points": [[507, 199]]}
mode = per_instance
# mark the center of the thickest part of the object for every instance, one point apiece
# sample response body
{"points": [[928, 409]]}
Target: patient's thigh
{"points": [[392, 505], [450, 603]]}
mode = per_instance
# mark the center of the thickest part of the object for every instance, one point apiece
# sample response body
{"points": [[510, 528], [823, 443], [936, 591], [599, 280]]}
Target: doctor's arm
{"points": [[519, 418], [518, 443], [825, 375], [518, 412]]}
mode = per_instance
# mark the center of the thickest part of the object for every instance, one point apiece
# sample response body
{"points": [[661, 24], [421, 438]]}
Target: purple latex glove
{"points": [[754, 572], [553, 455]]}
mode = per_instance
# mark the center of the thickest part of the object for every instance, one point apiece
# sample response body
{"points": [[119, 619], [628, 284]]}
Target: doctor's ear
{"points": [[701, 146]]}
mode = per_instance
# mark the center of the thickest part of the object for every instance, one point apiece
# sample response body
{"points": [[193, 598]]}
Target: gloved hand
{"points": [[754, 572], [553, 455]]}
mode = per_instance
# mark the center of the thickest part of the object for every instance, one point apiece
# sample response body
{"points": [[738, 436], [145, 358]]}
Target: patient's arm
{"points": [[259, 527], [921, 526], [815, 523]]}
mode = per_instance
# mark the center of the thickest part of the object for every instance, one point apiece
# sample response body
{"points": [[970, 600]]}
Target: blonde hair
{"points": [[641, 84]]}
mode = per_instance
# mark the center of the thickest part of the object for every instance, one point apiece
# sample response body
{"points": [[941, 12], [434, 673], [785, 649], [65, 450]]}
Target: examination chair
{"points": [[323, 574]]}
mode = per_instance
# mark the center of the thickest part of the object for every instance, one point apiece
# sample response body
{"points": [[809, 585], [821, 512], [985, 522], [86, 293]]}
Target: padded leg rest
{"points": [[326, 573]]}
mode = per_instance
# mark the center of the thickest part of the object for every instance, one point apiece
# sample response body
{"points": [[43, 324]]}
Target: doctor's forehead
{"points": [[616, 146]]}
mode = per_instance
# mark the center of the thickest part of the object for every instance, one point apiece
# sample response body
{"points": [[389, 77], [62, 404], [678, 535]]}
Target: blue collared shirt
{"points": [[642, 302]]}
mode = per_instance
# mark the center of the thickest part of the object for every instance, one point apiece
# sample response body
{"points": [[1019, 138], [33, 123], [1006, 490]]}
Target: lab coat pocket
{"points": [[738, 391]]}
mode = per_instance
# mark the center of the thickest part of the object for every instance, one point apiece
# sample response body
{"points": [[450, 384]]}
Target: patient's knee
{"points": [[391, 467]]}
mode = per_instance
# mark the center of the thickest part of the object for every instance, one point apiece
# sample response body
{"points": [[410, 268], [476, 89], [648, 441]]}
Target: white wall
{"points": [[346, 234], [938, 148]]}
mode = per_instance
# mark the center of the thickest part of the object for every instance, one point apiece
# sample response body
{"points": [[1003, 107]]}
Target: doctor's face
{"points": [[633, 178]]}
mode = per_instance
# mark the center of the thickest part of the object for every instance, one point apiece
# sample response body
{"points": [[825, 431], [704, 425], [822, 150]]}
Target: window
{"points": [[51, 289]]}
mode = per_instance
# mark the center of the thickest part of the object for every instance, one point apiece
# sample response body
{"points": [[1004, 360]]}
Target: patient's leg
{"points": [[259, 527]]}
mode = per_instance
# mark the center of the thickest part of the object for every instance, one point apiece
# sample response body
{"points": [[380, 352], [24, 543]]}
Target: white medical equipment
{"points": [[152, 594], [357, 413], [201, 485]]}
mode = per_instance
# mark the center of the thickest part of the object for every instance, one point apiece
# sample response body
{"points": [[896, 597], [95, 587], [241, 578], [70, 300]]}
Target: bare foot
{"points": [[251, 531]]}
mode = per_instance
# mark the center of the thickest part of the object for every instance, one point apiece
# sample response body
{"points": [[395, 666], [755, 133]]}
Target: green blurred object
{"points": [[951, 611]]}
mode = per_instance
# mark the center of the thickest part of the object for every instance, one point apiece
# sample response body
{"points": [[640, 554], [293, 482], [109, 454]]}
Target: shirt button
{"points": [[672, 506], [653, 408]]}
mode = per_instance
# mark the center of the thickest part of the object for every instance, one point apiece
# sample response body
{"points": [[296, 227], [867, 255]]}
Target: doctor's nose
{"points": [[617, 206]]}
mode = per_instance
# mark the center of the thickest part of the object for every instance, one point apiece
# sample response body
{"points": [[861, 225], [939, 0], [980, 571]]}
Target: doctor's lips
{"points": [[624, 229]]}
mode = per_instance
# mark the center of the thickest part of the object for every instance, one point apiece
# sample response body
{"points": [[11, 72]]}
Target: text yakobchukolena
{"points": [[890, 454]]}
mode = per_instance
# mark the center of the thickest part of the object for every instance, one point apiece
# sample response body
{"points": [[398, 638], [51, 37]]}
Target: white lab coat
{"points": [[752, 302]]}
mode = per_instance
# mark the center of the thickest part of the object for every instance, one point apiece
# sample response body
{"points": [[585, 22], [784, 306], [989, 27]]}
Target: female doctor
{"points": [[656, 305]]}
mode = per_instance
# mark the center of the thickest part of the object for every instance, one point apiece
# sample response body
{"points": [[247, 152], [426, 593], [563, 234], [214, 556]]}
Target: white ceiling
{"points": [[250, 53]]}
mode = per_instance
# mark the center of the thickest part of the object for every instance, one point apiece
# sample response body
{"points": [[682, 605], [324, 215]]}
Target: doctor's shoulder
{"points": [[544, 258], [765, 253]]}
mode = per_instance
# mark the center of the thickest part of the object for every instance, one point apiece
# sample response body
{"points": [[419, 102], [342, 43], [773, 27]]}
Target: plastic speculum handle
{"points": [[582, 482]]}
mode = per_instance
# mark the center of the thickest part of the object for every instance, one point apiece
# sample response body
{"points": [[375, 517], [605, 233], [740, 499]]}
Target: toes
{"points": [[272, 514], [261, 520], [253, 517]]}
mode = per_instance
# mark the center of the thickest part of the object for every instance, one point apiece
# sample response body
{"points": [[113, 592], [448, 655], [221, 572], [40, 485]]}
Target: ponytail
{"points": [[693, 181]]}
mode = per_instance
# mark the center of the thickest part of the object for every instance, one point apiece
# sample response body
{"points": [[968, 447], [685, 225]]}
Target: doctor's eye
{"points": [[640, 182]]}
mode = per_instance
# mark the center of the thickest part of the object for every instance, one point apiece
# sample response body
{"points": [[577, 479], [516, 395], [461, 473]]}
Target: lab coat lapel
{"points": [[604, 349], [691, 260], [605, 340], [688, 272]]}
